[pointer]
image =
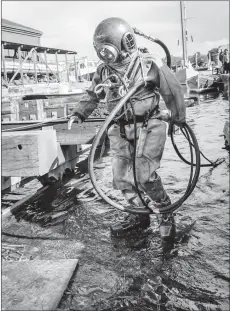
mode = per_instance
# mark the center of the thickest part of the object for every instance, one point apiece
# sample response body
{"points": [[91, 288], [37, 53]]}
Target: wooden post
{"points": [[67, 68], [183, 32], [78, 71], [56, 55], [20, 63], [87, 64], [24, 60], [35, 65], [209, 61], [75, 68], [47, 73], [4, 64]]}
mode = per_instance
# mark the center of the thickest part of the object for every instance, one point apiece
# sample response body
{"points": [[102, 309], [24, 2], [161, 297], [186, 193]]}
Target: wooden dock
{"points": [[45, 151]]}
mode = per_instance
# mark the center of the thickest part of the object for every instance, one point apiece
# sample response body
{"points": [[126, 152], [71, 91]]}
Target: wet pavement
{"points": [[136, 272]]}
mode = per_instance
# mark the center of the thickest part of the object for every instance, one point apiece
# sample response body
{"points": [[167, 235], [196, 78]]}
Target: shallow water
{"points": [[136, 272]]}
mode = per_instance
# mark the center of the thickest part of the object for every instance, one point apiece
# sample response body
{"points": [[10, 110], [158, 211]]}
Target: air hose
{"points": [[192, 143], [158, 41], [186, 130]]}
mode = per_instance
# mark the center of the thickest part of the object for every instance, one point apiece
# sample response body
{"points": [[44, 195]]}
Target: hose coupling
{"points": [[99, 88]]}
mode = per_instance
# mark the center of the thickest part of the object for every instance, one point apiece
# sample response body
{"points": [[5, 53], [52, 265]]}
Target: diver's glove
{"points": [[74, 118], [164, 115]]}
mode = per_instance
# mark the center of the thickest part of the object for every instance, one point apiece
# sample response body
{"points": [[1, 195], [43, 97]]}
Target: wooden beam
{"points": [[35, 65], [47, 72], [4, 64], [20, 63], [58, 74], [31, 153], [8, 126], [67, 67], [75, 68]]}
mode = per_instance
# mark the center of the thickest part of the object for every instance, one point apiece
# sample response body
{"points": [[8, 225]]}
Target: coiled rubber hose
{"points": [[158, 41], [168, 56], [192, 144]]}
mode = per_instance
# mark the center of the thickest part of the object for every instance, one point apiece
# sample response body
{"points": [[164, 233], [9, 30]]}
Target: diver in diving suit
{"points": [[115, 44]]}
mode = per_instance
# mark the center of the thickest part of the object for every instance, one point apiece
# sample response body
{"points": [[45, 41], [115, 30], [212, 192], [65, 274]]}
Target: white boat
{"points": [[84, 67], [188, 78]]}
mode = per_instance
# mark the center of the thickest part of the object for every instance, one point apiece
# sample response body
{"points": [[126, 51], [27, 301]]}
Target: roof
{"points": [[12, 25], [39, 49]]}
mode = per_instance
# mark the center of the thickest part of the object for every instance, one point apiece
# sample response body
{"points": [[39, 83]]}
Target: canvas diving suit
{"points": [[121, 131]]}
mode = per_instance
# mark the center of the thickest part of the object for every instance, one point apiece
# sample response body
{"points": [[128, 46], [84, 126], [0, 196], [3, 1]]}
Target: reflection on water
{"points": [[136, 272]]}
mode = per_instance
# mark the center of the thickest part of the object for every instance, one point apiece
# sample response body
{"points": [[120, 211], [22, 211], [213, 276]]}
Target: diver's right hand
{"points": [[73, 119]]}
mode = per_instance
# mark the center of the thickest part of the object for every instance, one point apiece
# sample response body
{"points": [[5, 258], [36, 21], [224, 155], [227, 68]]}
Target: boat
{"points": [[201, 68], [188, 76], [204, 90]]}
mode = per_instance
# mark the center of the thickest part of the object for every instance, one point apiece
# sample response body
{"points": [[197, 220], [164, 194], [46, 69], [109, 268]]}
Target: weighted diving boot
{"points": [[166, 222], [129, 224], [167, 227]]}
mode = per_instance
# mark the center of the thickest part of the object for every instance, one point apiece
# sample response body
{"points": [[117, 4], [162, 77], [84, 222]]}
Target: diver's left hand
{"points": [[164, 115]]}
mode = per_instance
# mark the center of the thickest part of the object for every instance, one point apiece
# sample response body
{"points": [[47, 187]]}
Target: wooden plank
{"points": [[35, 284], [65, 138], [19, 204], [79, 134], [28, 153], [12, 197], [17, 123], [10, 183], [75, 95]]}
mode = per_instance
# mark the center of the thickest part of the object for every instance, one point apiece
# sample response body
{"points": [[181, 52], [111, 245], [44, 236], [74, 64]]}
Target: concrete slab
{"points": [[35, 284]]}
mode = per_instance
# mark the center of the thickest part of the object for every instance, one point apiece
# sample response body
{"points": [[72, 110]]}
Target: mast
{"points": [[183, 32]]}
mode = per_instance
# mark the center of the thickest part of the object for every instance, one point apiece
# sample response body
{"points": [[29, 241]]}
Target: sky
{"points": [[71, 24]]}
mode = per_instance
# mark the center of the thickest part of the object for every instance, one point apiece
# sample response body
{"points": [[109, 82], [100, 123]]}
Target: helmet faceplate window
{"points": [[107, 53]]}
